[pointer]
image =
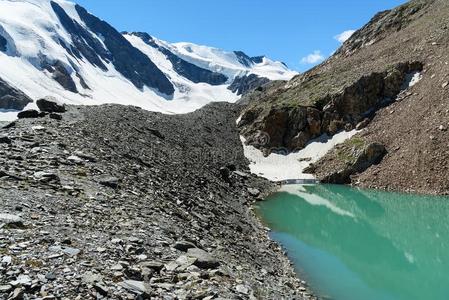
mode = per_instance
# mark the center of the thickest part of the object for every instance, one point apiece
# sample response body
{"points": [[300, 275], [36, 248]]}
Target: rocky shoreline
{"points": [[115, 202]]}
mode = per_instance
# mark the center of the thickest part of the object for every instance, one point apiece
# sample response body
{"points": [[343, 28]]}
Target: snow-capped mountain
{"points": [[57, 48]]}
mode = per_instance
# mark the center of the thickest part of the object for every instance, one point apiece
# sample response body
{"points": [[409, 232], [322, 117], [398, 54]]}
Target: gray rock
{"points": [[225, 173], [109, 181], [183, 245], [74, 159], [203, 259], [5, 288], [241, 174], [46, 176], [363, 124], [90, 278], [117, 267], [242, 289], [88, 157], [11, 220], [101, 289], [155, 265], [50, 276], [71, 251], [21, 280], [369, 155], [56, 116], [253, 192], [138, 287], [11, 98], [242, 85], [5, 140], [17, 294], [6, 260]]}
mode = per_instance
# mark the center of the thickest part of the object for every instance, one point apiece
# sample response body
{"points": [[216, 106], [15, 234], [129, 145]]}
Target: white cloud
{"points": [[345, 35], [313, 58]]}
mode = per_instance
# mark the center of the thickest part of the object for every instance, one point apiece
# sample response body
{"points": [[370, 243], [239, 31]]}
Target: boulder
{"points": [[183, 245], [56, 116], [362, 124], [11, 221], [50, 105], [225, 173], [28, 114], [203, 259], [371, 154], [138, 287], [109, 181], [5, 140], [253, 192]]}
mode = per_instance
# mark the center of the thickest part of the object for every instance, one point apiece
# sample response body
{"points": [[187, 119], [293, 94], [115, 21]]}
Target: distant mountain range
{"points": [[57, 48]]}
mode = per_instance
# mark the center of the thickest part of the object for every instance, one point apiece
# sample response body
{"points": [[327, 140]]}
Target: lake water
{"points": [[352, 244]]}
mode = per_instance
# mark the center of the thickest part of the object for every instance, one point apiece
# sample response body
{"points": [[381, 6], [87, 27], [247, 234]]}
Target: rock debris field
{"points": [[114, 202]]}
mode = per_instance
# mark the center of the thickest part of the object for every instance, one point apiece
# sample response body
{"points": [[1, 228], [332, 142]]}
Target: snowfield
{"points": [[277, 167]]}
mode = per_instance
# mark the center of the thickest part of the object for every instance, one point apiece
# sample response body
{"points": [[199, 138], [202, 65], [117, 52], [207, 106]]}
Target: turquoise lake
{"points": [[352, 244]]}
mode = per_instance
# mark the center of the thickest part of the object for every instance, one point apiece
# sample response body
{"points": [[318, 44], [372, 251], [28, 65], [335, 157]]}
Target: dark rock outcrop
{"points": [[258, 59], [85, 45], [28, 114], [11, 98], [243, 58], [50, 105], [82, 82], [184, 68], [61, 75], [128, 60], [3, 44], [244, 84], [246, 60], [355, 160], [292, 127]]}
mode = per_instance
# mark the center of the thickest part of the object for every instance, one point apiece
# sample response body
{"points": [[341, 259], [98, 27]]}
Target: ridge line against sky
{"points": [[301, 33]]}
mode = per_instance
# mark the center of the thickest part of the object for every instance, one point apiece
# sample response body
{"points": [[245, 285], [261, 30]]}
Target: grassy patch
{"points": [[34, 263], [356, 142], [349, 150]]}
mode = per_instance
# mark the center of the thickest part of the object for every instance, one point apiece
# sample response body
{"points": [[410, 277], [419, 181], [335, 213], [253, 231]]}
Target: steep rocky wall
{"points": [[183, 67], [3, 43], [293, 127], [245, 84], [11, 98]]}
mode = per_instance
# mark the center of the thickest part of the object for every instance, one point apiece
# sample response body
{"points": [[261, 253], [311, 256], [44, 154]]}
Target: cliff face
{"points": [[11, 98], [390, 76]]}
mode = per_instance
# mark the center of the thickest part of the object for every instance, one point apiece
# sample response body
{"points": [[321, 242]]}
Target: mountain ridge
{"points": [[69, 53]]}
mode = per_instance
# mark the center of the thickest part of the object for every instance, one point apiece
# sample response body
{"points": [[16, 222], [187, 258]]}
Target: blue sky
{"points": [[297, 32]]}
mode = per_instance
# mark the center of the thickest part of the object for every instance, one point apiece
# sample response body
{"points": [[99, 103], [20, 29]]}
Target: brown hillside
{"points": [[365, 79]]}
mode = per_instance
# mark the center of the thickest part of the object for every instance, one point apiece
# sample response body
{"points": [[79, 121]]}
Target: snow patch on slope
{"points": [[277, 167]]}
